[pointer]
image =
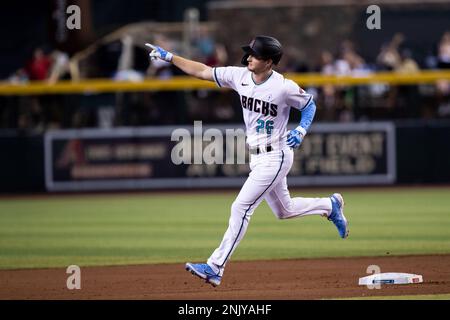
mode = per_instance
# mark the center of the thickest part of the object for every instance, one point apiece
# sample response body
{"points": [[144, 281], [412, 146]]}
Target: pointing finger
{"points": [[150, 45]]}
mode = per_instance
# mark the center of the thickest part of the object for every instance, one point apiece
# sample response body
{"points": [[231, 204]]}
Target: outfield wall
{"points": [[155, 157], [373, 153]]}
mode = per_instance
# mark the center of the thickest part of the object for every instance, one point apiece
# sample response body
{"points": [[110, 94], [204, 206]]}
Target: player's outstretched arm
{"points": [[192, 68]]}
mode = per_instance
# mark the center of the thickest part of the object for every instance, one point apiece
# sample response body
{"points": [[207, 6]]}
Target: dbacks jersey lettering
{"points": [[265, 106]]}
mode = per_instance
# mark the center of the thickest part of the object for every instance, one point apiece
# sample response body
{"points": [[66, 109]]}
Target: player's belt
{"points": [[258, 150]]}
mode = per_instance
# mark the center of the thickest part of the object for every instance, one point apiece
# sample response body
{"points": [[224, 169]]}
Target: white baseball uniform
{"points": [[266, 107]]}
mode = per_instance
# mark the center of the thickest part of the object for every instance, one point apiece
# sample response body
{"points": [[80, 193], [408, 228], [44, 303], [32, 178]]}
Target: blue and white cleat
{"points": [[204, 271], [337, 215]]}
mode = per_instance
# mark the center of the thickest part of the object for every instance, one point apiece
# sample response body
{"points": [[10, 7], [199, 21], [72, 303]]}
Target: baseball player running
{"points": [[266, 98]]}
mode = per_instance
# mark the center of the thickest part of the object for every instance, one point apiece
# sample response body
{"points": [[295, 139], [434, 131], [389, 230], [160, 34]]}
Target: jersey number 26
{"points": [[267, 125]]}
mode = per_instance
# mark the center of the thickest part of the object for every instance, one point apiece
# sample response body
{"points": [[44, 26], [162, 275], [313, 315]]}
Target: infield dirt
{"points": [[252, 280]]}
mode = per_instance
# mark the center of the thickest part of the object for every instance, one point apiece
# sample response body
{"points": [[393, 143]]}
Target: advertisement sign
{"points": [[141, 158]]}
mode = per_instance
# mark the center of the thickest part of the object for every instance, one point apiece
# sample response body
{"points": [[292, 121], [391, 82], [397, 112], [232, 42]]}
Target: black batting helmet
{"points": [[263, 47]]}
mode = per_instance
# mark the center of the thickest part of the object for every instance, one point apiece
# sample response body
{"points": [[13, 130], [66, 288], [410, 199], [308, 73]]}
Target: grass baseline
{"points": [[149, 228]]}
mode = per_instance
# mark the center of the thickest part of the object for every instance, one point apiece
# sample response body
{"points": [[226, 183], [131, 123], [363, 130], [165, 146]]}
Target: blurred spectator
{"points": [[224, 110], [443, 86], [18, 77], [389, 56], [328, 92], [350, 62], [213, 54], [327, 63], [444, 51], [293, 61], [430, 61], [407, 95], [31, 115], [52, 67], [208, 51], [336, 102], [128, 68], [164, 100], [38, 66], [406, 64], [342, 67], [401, 100], [219, 56], [59, 66], [355, 62], [205, 44]]}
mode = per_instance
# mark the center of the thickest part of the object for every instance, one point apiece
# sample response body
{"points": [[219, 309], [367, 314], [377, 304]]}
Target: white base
{"points": [[390, 278]]}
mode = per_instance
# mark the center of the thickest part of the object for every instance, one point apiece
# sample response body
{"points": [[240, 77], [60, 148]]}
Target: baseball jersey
{"points": [[265, 106]]}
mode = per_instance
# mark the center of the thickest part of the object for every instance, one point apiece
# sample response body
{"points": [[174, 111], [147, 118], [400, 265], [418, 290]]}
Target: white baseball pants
{"points": [[267, 180]]}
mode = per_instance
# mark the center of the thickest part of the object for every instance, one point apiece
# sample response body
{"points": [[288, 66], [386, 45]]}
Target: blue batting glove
{"points": [[295, 137], [159, 53]]}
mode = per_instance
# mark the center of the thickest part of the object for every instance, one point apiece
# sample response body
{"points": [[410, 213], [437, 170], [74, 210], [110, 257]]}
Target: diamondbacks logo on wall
{"points": [[72, 153]]}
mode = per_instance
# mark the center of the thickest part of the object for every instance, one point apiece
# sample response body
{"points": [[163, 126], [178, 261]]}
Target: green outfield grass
{"points": [[164, 228]]}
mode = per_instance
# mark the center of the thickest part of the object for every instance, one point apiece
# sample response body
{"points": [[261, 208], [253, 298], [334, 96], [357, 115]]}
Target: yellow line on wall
{"points": [[189, 83]]}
